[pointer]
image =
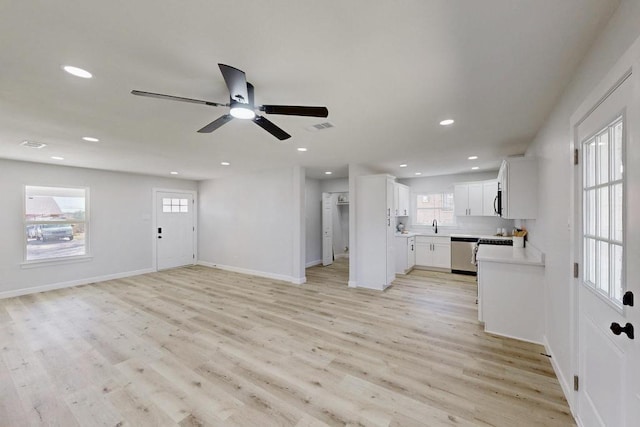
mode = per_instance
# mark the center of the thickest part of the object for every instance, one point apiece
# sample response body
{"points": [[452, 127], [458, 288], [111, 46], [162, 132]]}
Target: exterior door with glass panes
{"points": [[175, 229], [608, 244]]}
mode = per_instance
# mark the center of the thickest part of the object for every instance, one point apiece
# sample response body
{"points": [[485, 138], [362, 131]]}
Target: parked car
{"points": [[54, 232]]}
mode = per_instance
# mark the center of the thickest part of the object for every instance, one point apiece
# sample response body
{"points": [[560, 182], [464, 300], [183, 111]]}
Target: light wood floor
{"points": [[200, 346]]}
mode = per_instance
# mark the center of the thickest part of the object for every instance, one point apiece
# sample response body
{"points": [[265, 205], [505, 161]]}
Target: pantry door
{"points": [[327, 229], [607, 249]]}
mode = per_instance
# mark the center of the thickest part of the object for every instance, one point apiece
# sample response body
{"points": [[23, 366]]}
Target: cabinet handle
{"points": [[412, 247], [388, 222], [388, 211]]}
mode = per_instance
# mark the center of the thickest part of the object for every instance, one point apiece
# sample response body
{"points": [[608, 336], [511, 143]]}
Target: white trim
{"points": [[154, 222], [352, 284], [72, 283], [512, 337], [268, 275], [313, 263], [569, 394], [48, 262]]}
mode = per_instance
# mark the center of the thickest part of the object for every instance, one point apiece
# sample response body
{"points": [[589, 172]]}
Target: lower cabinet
{"points": [[405, 254], [433, 252]]}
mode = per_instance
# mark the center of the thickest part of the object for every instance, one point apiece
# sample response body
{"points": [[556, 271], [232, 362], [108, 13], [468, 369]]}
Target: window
{"points": [[437, 206], [602, 207], [55, 221], [175, 205]]}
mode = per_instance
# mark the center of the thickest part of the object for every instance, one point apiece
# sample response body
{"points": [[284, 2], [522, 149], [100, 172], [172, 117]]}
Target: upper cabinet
{"points": [[401, 199], [476, 198], [518, 185], [468, 199]]}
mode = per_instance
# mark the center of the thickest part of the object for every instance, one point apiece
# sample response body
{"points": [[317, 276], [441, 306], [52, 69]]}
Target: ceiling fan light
{"points": [[242, 111]]}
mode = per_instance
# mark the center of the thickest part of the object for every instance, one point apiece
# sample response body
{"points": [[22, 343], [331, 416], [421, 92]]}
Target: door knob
{"points": [[627, 329]]}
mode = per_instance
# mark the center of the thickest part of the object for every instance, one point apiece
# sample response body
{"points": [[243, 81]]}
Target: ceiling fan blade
{"points": [[295, 110], [250, 92], [177, 98], [271, 128], [216, 123], [236, 82]]}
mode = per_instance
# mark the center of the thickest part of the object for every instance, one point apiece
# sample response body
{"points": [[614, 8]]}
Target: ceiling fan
{"points": [[242, 106]]}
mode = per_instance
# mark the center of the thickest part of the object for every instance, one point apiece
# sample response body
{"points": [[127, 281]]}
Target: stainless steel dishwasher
{"points": [[461, 255]]}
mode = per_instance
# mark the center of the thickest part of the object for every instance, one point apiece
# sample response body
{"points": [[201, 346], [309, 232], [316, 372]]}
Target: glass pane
{"points": [[183, 202], [617, 151], [589, 163], [54, 204], [184, 208], [175, 202], [603, 213], [166, 208], [602, 282], [590, 261], [175, 208], [617, 226], [603, 157], [589, 212], [166, 201], [616, 266], [51, 240]]}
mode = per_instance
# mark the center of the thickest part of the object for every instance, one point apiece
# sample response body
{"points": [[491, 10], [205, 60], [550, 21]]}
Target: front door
{"points": [[608, 247], [175, 230]]}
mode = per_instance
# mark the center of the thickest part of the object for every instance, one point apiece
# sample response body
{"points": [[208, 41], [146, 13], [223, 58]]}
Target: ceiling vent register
{"points": [[33, 144]]}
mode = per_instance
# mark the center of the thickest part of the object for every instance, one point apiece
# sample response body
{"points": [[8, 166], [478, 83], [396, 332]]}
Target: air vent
{"points": [[320, 126], [33, 144]]}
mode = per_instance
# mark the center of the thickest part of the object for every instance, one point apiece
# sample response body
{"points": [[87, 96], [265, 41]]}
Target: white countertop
{"points": [[447, 234], [510, 255]]}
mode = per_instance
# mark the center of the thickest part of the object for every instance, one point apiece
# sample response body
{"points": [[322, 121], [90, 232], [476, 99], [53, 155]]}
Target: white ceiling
{"points": [[387, 71]]}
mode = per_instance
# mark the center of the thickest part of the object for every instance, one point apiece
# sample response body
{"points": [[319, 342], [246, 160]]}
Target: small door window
{"points": [[170, 205]]}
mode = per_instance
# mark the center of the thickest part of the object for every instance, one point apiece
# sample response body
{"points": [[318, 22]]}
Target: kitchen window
{"points": [[55, 223], [603, 211], [438, 206]]}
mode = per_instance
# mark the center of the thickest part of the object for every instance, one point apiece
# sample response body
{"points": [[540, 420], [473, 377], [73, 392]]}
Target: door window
{"points": [[603, 207]]}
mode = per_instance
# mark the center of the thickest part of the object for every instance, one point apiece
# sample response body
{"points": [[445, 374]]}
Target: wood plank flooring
{"points": [[197, 346]]}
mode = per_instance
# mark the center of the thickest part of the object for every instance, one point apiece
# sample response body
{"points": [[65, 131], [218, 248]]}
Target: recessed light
{"points": [[78, 72], [472, 157], [225, 163], [447, 122], [328, 173], [302, 149], [418, 173], [173, 173], [90, 139], [57, 158], [404, 165], [475, 168]]}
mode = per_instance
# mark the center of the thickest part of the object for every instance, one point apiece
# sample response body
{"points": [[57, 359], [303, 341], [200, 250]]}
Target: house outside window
{"points": [[56, 223], [438, 206]]}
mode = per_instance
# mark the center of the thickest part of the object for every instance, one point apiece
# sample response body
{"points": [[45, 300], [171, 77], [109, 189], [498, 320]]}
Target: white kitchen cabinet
{"points": [[518, 183], [433, 252], [468, 199], [375, 231], [405, 254], [489, 196], [401, 199]]}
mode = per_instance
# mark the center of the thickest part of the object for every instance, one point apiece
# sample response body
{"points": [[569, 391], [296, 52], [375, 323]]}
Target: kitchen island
{"points": [[511, 291]]}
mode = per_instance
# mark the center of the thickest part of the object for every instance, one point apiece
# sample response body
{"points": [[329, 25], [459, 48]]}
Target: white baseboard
{"points": [[268, 275], [313, 263], [338, 256], [72, 283], [352, 284], [564, 384]]}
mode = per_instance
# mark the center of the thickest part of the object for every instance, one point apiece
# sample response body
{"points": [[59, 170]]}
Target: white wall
{"points": [[550, 231], [247, 224], [313, 209], [121, 233], [442, 183], [335, 185]]}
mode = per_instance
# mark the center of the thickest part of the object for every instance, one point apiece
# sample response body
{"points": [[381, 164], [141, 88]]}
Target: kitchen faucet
{"points": [[435, 224]]}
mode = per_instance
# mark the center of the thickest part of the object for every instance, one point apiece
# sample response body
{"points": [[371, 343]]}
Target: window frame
{"points": [[611, 182], [414, 209], [28, 263]]}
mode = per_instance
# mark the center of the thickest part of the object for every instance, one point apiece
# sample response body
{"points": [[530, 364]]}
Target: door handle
{"points": [[159, 237], [495, 203], [627, 329], [627, 299], [412, 247]]}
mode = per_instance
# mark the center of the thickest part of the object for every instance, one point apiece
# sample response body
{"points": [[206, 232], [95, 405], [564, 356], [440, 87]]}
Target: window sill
{"points": [[56, 261]]}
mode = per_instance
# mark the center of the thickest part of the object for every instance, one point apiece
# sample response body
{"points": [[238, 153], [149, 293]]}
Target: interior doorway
{"points": [[335, 226]]}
